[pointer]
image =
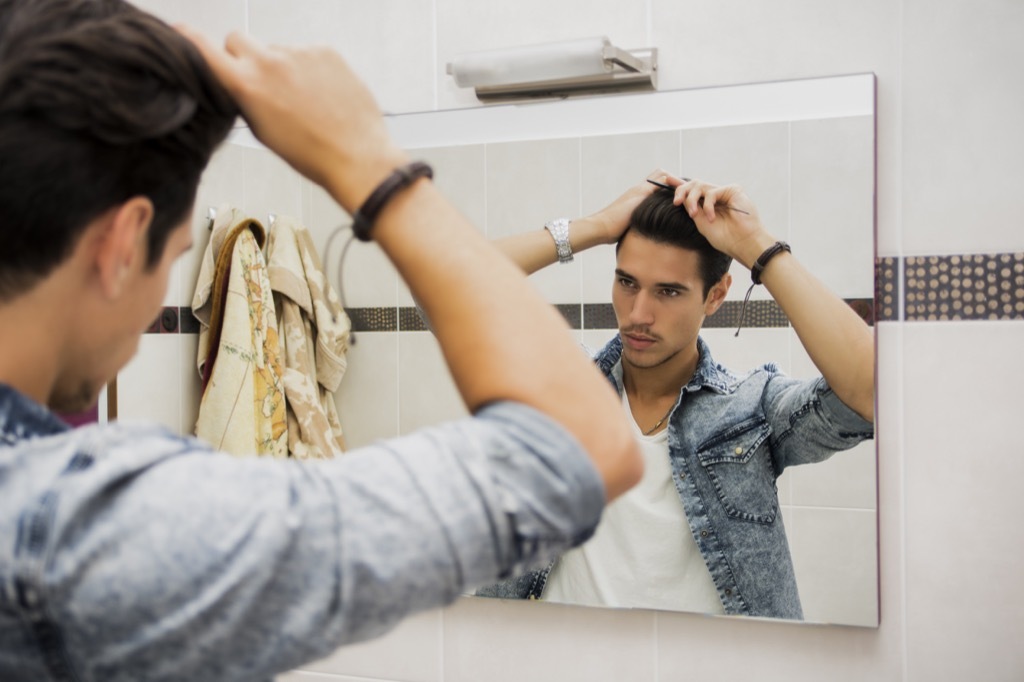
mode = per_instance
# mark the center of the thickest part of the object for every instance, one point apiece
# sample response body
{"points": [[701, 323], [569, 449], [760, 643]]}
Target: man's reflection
{"points": [[703, 530]]}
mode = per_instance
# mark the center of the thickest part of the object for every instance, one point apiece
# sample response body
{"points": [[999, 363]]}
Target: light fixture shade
{"points": [[545, 62], [585, 66]]}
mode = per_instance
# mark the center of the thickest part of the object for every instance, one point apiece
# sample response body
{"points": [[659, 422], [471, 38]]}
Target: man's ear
{"points": [[716, 297], [123, 244]]}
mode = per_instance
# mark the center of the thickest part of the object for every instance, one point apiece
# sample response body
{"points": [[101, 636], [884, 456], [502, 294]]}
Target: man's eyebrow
{"points": [[660, 285]]}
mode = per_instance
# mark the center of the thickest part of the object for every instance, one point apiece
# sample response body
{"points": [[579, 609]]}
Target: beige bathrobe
{"points": [[313, 330], [243, 404]]}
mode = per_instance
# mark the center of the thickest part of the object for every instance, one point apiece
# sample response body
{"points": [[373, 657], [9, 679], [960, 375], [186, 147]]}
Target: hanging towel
{"points": [[314, 331], [243, 405]]}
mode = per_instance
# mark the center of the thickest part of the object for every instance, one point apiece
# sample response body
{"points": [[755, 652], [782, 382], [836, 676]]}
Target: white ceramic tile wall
{"points": [[528, 184], [150, 385], [948, 168]]}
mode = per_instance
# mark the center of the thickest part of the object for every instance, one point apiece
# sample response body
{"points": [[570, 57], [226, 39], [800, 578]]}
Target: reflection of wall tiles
{"points": [[887, 288], [835, 547], [833, 185]]}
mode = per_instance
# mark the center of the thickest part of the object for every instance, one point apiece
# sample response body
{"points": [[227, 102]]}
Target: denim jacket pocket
{"points": [[738, 463]]}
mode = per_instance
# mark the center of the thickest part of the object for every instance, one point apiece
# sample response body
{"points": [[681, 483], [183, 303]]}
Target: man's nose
{"points": [[642, 312]]}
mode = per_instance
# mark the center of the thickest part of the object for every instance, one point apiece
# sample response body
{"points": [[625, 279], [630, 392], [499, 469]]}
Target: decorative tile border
{"points": [[887, 289], [962, 287], [976, 287]]}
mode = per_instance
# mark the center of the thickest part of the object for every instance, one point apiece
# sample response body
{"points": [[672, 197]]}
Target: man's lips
{"points": [[637, 341]]}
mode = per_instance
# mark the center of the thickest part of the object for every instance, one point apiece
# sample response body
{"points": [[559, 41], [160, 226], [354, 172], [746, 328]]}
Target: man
{"points": [[702, 531], [130, 553]]}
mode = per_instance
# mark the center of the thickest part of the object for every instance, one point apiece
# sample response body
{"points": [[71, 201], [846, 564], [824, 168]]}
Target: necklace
{"points": [[659, 422]]}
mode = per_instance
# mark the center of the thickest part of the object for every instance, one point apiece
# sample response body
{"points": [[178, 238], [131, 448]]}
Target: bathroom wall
{"points": [[949, 144]]}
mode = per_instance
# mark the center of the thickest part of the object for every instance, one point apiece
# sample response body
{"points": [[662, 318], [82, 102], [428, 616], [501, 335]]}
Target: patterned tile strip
{"points": [[973, 287], [887, 289], [962, 287]]}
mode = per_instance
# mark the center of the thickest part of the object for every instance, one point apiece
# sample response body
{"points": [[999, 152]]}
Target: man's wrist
{"points": [[749, 252], [351, 188]]}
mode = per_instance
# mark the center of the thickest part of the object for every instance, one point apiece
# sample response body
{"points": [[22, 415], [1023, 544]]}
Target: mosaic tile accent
{"points": [[410, 320], [187, 322], [373, 319], [971, 287], [760, 313], [887, 289], [573, 314], [599, 316]]}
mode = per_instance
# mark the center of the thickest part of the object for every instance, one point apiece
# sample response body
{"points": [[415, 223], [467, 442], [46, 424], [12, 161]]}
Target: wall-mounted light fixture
{"points": [[575, 67]]}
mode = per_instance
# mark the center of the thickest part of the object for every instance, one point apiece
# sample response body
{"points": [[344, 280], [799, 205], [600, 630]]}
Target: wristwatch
{"points": [[559, 229]]}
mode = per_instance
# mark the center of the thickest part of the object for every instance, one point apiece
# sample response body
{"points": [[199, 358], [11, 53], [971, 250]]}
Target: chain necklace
{"points": [[659, 422]]}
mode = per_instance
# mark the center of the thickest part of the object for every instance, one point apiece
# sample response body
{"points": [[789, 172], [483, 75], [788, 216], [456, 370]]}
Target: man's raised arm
{"points": [[500, 339]]}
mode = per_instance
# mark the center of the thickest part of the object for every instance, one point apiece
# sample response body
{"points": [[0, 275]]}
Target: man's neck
{"points": [[29, 358], [651, 384]]}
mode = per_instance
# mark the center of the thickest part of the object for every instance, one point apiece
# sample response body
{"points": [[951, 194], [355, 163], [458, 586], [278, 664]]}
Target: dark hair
{"points": [[99, 102], [658, 219]]}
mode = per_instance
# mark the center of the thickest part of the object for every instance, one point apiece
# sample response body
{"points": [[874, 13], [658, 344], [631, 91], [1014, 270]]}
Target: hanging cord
{"points": [[341, 268], [755, 274]]}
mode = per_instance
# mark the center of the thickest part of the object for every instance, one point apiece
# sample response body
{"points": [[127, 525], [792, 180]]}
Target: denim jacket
{"points": [[730, 437], [128, 553]]}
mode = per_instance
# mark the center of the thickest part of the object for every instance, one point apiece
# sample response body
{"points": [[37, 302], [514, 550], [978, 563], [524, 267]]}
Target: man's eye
{"points": [[669, 292]]}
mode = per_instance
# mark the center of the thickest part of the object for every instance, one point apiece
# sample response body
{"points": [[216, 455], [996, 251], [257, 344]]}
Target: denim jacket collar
{"points": [[709, 374], [21, 417]]}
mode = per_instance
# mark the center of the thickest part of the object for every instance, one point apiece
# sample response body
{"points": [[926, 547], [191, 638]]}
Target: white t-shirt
{"points": [[642, 554]]}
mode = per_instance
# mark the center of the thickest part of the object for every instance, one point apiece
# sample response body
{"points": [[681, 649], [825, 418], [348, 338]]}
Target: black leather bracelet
{"points": [[755, 274], [762, 260], [403, 176]]}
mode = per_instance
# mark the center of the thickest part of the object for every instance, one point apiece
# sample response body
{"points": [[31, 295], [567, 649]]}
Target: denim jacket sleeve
{"points": [[809, 423], [179, 563]]}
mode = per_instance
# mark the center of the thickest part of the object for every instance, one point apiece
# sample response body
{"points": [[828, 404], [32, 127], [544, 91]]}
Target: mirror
{"points": [[804, 151]]}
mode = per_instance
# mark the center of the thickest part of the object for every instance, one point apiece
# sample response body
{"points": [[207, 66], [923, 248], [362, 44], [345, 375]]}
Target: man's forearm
{"points": [[535, 250], [501, 340], [838, 341]]}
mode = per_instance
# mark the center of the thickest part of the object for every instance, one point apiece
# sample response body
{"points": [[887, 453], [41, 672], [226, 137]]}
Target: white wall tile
{"points": [[149, 386], [514, 640], [740, 42], [846, 480], [409, 653], [832, 218], [427, 394], [723, 648], [965, 547], [367, 399], [387, 43], [271, 186], [835, 554], [891, 405], [962, 139], [528, 184]]}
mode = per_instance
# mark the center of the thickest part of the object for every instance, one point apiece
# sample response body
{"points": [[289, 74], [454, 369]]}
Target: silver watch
{"points": [[559, 229]]}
